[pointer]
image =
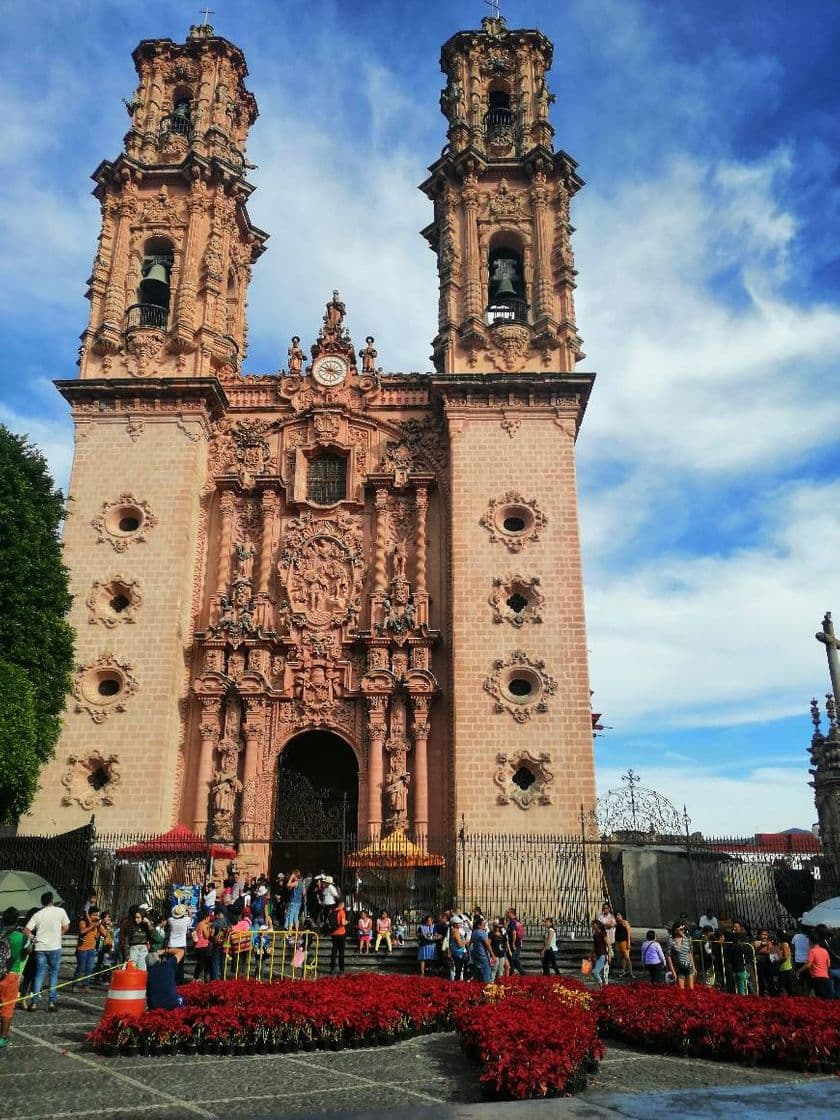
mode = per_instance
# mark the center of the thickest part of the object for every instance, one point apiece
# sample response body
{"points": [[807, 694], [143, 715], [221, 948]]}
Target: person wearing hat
{"points": [[177, 924]]}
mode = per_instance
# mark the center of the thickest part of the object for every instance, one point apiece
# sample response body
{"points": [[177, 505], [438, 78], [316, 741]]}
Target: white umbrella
{"points": [[825, 913]]}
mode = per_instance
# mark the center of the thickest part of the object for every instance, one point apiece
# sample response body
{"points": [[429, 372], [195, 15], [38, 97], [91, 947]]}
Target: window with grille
{"points": [[326, 480]]}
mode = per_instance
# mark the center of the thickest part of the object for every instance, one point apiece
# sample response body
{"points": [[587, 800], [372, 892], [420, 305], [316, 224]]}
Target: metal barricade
{"points": [[712, 969], [271, 954]]}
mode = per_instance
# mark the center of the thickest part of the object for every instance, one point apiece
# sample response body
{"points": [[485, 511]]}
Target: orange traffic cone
{"points": [[127, 993]]}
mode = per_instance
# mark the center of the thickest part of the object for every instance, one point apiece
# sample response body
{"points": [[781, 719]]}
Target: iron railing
{"points": [[498, 121], [177, 122], [763, 882], [506, 310], [146, 315]]}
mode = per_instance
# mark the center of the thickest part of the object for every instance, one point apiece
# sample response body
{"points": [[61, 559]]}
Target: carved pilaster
{"points": [[377, 731], [227, 507], [268, 503], [420, 732], [210, 729], [421, 597], [253, 730]]}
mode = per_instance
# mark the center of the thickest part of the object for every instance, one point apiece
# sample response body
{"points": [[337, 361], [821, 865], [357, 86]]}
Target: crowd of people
{"points": [[241, 912]]}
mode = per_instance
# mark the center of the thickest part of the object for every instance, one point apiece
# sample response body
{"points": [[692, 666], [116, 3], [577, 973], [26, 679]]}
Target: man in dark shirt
{"points": [[515, 931], [218, 932]]}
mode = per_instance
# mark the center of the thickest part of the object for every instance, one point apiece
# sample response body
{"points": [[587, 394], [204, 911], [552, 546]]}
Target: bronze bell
{"points": [[154, 287], [503, 274]]}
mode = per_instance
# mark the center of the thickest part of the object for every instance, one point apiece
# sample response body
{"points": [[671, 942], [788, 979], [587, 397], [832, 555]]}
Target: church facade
{"points": [[332, 577]]}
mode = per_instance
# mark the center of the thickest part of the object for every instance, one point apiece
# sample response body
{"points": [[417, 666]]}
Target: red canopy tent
{"points": [[178, 841]]}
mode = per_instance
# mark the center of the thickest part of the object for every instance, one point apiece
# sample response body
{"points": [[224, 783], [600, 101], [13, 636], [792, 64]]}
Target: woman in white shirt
{"points": [[549, 952], [177, 925]]}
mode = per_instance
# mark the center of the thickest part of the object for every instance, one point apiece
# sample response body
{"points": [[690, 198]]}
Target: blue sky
{"points": [[709, 304]]}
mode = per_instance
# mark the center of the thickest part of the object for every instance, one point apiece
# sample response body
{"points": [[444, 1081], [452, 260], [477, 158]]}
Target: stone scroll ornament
{"points": [[90, 779], [524, 778]]}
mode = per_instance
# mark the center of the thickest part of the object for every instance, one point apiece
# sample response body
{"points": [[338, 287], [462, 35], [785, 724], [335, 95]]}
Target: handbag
{"points": [[586, 966]]}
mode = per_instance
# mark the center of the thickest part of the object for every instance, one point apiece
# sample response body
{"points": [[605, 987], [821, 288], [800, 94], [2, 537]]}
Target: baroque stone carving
{"points": [[114, 601], [144, 346], [514, 520], [90, 779], [102, 687], [322, 569], [225, 788], [524, 778], [123, 521], [236, 614], [520, 685], [516, 599], [510, 344]]}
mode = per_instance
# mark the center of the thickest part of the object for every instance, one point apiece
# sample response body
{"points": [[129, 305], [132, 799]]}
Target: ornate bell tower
{"points": [[171, 271], [505, 355], [501, 194]]}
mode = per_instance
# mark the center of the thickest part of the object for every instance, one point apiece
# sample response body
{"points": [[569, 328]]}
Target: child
{"points": [[400, 929]]}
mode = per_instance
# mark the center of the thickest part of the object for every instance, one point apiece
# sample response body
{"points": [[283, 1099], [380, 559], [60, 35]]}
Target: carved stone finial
{"points": [[816, 719]]}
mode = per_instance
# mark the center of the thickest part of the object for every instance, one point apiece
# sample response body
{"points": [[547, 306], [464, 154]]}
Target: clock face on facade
{"points": [[330, 370]]}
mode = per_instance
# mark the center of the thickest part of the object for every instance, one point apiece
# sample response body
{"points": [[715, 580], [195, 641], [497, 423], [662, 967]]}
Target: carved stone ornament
{"points": [[322, 568], [516, 599], [514, 520], [509, 345], [114, 601], [90, 779], [524, 778], [505, 203], [144, 346], [520, 686], [102, 687], [236, 614], [123, 521]]}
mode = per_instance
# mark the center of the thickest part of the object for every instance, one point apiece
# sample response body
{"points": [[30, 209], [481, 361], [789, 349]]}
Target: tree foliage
{"points": [[34, 595], [19, 761]]}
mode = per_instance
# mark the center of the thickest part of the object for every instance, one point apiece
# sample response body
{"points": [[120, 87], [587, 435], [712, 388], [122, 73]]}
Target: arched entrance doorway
{"points": [[317, 803]]}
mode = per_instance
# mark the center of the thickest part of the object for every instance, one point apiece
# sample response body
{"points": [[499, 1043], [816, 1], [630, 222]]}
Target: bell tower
{"points": [[501, 195], [171, 271]]}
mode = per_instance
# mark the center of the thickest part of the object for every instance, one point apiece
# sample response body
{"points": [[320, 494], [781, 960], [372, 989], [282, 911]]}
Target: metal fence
{"points": [[762, 881]]}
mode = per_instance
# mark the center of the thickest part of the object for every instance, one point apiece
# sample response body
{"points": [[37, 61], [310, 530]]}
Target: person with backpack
{"points": [[14, 947], [515, 936], [337, 921]]}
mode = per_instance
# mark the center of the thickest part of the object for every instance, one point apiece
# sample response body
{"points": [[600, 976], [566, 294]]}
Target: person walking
{"points": [[90, 930], [549, 949], [18, 945], [600, 953], [516, 938], [607, 920], [338, 937], [680, 959], [201, 944], [623, 945], [653, 958], [47, 926], [817, 966], [426, 942], [457, 949], [481, 955]]}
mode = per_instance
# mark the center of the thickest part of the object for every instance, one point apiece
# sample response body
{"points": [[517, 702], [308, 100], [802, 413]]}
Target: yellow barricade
{"points": [[271, 954], [711, 967]]}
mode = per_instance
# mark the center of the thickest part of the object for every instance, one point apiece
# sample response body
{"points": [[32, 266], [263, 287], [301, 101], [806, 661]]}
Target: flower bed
{"points": [[532, 1036], [798, 1033], [548, 1041]]}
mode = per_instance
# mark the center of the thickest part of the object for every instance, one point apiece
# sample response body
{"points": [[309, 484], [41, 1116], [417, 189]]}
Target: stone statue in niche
{"points": [[398, 610], [236, 614], [245, 553], [396, 801], [398, 560], [225, 788], [399, 664], [296, 358]]}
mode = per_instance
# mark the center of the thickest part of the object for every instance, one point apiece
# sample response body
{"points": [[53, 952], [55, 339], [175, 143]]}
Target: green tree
{"points": [[35, 636], [19, 761]]}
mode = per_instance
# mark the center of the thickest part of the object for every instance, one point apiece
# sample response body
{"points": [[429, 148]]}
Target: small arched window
{"points": [[154, 289], [326, 480]]}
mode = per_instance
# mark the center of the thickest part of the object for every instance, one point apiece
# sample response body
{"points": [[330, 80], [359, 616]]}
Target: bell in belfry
{"points": [[154, 286], [502, 281]]}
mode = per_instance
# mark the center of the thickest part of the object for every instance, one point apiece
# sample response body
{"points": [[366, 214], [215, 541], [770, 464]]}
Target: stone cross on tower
{"points": [[832, 650]]}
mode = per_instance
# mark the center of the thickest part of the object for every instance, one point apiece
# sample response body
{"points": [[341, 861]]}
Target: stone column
{"points": [[379, 572], [188, 279], [268, 503], [472, 261], [376, 741], [210, 729], [420, 731], [253, 730], [543, 293], [227, 505], [421, 596]]}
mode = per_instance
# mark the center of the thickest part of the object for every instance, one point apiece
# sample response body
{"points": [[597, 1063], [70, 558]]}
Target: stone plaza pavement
{"points": [[46, 1075]]}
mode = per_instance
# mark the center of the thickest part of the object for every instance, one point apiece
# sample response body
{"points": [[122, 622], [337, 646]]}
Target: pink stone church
{"points": [[335, 583]]}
